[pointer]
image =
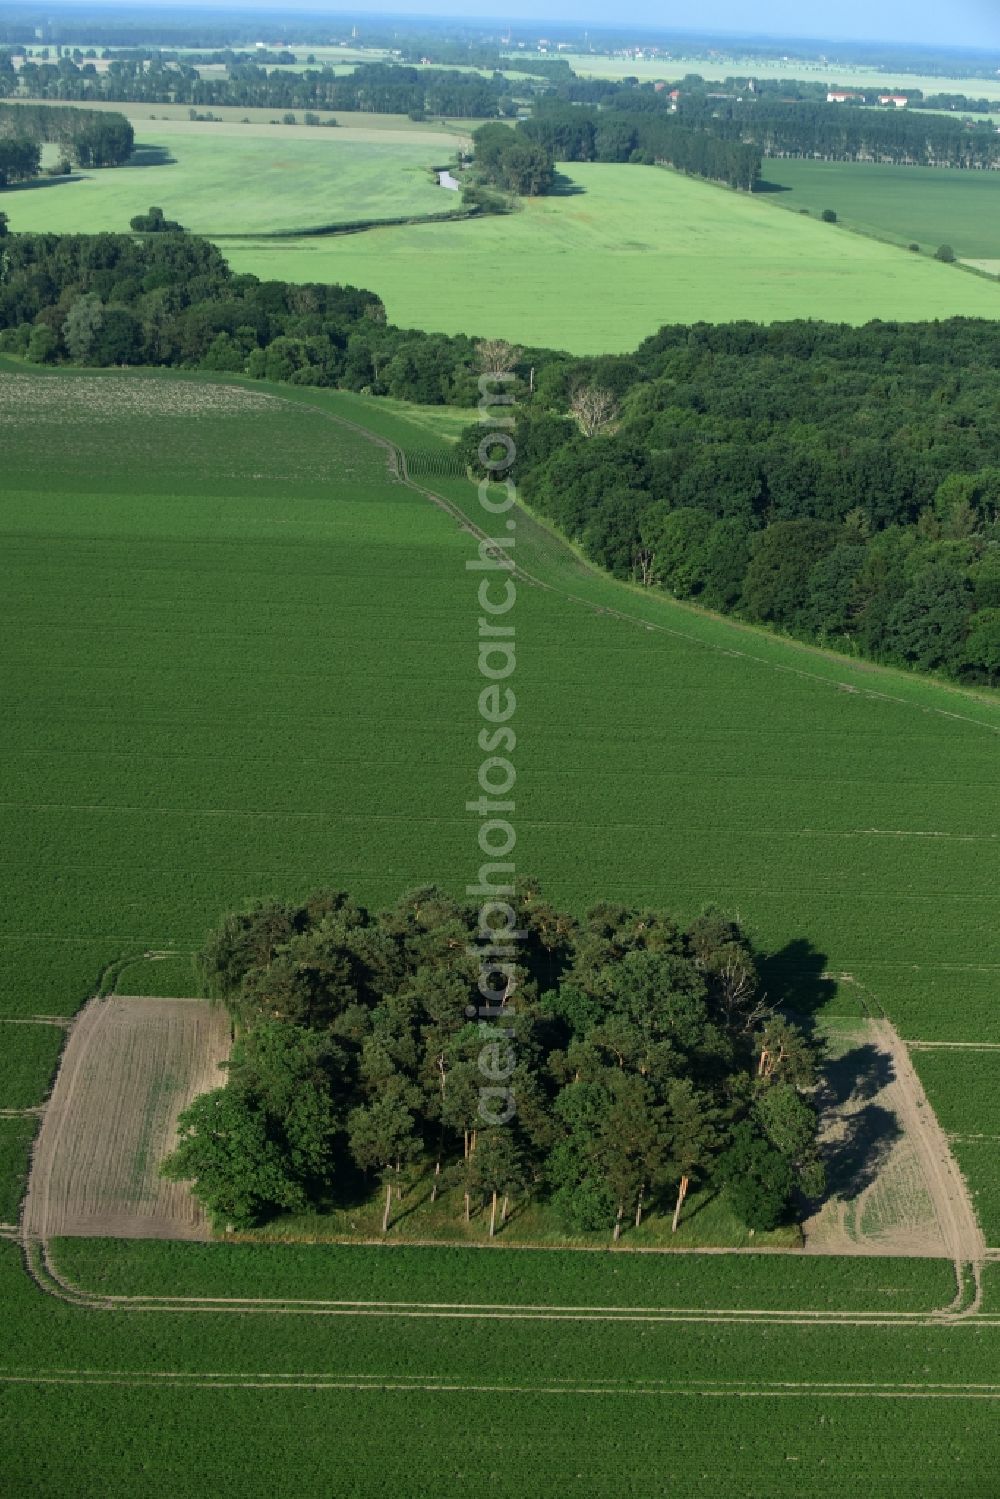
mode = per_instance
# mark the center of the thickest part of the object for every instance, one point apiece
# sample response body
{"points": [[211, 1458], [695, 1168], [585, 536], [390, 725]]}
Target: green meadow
{"points": [[928, 206], [661, 248], [225, 178]]}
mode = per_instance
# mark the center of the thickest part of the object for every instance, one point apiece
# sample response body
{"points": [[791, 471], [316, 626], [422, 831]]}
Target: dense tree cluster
{"points": [[574, 133], [20, 159], [640, 1056], [506, 159], [842, 484], [90, 138]]}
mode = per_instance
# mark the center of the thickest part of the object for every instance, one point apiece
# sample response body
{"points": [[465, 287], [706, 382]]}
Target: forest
{"points": [[840, 484], [623, 1058]]}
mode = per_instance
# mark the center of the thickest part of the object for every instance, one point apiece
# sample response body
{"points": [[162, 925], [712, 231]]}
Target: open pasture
{"points": [[228, 177], [928, 206], [129, 1068], [663, 249]]}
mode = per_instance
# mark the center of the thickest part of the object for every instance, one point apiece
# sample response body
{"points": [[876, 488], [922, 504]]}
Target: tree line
{"points": [[841, 484], [381, 88], [640, 1053], [786, 120], [581, 133], [89, 137]]}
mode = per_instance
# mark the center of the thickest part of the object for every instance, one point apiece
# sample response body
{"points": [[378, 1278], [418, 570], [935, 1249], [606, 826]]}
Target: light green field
{"points": [[221, 178], [717, 68], [927, 206], [636, 247], [250, 667]]}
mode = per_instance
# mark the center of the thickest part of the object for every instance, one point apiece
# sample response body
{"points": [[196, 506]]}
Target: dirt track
{"points": [[948, 1192], [129, 1067], [914, 1200]]}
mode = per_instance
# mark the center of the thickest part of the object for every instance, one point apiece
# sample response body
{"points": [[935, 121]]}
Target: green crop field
{"points": [[594, 1402], [661, 247], [228, 177], [446, 1275], [928, 206], [247, 665]]}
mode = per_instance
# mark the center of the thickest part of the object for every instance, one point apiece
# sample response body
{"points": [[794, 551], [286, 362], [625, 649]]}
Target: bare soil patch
{"points": [[895, 1187], [130, 1066]]}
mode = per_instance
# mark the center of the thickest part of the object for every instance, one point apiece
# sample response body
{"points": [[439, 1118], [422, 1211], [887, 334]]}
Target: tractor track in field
{"points": [[43, 1271], [397, 462], [430, 1384]]}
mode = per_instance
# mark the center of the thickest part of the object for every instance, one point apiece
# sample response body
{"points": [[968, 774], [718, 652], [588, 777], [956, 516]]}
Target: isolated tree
{"points": [[594, 409], [828, 216], [945, 253]]}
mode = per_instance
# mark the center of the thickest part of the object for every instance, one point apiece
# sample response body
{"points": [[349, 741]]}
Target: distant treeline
{"points": [[841, 484], [89, 137], [380, 88], [841, 132]]}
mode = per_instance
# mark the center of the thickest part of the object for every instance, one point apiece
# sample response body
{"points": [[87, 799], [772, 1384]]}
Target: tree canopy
{"points": [[641, 1055]]}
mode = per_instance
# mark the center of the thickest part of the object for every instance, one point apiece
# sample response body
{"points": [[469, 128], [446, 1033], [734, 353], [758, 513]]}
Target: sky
{"points": [[958, 23]]}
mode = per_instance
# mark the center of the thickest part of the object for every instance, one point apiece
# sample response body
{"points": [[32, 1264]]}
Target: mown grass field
{"points": [[661, 247], [927, 206], [249, 667], [228, 177]]}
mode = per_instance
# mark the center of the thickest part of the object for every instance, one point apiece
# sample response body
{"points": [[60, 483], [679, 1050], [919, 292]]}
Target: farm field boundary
{"points": [[47, 1276], [129, 1068]]}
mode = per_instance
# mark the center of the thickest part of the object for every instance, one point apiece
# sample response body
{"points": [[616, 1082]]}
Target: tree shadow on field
{"points": [[564, 187], [860, 1132], [794, 978], [38, 182], [151, 156], [771, 187], [854, 1159], [856, 1077]]}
